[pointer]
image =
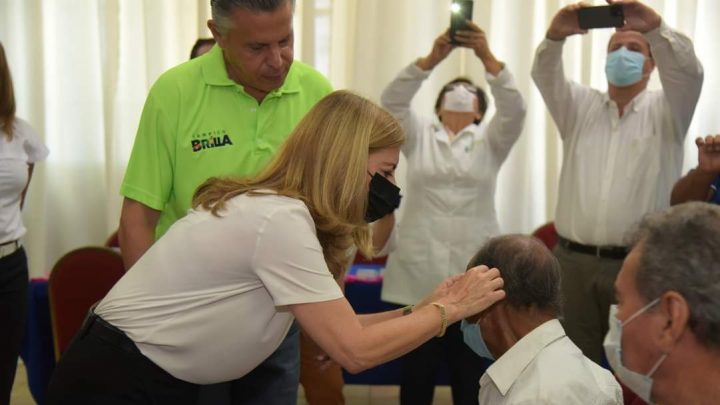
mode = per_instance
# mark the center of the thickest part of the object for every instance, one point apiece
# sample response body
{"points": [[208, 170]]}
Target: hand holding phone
{"points": [[601, 17], [461, 11]]}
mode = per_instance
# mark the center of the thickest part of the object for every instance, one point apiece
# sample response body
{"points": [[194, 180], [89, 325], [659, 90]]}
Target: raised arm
{"points": [[399, 93], [548, 73], [681, 73], [507, 124]]}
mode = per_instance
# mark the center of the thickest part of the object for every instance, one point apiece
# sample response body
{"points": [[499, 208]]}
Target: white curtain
{"points": [[82, 69]]}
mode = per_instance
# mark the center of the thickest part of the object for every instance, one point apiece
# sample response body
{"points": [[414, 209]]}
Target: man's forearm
{"points": [[694, 186], [134, 242], [137, 230]]}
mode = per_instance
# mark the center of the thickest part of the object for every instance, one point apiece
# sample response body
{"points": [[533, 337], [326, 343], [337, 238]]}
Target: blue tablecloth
{"points": [[37, 351]]}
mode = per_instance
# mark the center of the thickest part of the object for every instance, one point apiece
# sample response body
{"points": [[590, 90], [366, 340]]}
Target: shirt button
{"points": [[253, 109]]}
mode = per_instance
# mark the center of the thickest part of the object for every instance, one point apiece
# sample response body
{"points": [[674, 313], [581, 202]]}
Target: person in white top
{"points": [[215, 296], [664, 338], [622, 151], [449, 203], [536, 362], [20, 148]]}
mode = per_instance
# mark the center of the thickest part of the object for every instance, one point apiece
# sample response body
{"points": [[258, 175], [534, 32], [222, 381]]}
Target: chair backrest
{"points": [[77, 281], [547, 234]]}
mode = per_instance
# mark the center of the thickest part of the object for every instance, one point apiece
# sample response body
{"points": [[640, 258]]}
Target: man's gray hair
{"points": [[223, 9], [680, 251], [530, 271]]}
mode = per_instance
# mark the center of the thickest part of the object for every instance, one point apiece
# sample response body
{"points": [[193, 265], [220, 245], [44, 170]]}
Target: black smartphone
{"points": [[601, 17], [460, 12]]}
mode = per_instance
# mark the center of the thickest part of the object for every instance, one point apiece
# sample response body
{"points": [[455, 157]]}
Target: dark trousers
{"points": [[588, 290], [100, 367], [274, 382], [13, 308], [420, 368]]}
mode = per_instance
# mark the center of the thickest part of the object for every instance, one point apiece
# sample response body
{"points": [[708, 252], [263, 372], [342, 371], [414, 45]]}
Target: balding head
{"points": [[530, 271]]}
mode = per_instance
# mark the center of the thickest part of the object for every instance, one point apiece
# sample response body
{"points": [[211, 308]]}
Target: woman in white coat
{"points": [[449, 208]]}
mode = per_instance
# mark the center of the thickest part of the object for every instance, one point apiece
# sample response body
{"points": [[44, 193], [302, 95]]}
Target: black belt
{"points": [[100, 328], [12, 242], [608, 252]]}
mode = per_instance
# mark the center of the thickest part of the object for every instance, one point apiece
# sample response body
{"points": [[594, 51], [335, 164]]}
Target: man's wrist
{"points": [[425, 63], [554, 36]]}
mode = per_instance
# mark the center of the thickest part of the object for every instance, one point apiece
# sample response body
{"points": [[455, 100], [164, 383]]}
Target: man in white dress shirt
{"points": [[536, 362], [622, 152]]}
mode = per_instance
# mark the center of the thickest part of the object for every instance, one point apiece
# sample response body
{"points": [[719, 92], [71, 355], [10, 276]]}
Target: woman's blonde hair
{"points": [[324, 164], [7, 96]]}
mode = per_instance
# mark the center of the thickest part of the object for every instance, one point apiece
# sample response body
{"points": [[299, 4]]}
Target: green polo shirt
{"points": [[198, 123]]}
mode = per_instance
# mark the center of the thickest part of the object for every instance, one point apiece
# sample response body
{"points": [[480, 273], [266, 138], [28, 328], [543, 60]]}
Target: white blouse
{"points": [[208, 301], [24, 149]]}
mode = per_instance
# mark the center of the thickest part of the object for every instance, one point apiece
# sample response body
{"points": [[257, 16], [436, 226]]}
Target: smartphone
{"points": [[601, 17], [460, 12]]}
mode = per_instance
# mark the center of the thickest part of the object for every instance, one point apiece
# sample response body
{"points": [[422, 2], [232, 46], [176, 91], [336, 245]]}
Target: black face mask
{"points": [[383, 198]]}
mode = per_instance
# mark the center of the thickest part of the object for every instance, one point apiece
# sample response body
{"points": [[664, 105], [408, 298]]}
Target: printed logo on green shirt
{"points": [[210, 139]]}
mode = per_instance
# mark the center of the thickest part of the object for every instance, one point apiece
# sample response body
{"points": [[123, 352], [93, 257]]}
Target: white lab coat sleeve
{"points": [[507, 124], [396, 99]]}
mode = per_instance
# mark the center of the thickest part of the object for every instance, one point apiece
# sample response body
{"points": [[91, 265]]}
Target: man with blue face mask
{"points": [[664, 338], [622, 151], [536, 362]]}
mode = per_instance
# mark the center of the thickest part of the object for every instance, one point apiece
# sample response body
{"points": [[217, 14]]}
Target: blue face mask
{"points": [[624, 67], [473, 338]]}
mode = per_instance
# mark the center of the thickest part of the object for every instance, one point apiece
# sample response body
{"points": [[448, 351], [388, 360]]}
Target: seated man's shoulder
{"points": [[566, 376]]}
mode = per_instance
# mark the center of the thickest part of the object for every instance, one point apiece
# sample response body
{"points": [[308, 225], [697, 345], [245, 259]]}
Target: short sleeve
{"points": [[149, 174], [32, 145], [289, 259]]}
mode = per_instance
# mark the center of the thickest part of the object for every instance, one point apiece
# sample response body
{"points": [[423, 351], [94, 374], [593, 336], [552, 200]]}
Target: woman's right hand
{"points": [[440, 50], [471, 293]]}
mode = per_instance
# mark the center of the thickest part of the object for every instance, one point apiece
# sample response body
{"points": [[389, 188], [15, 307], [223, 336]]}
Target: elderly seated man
{"points": [[664, 338], [536, 362]]}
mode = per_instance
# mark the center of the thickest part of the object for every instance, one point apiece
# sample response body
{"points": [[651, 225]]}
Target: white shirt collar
{"points": [[633, 105], [506, 370]]}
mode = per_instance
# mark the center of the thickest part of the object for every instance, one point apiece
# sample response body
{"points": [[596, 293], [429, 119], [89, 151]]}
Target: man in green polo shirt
{"points": [[224, 113]]}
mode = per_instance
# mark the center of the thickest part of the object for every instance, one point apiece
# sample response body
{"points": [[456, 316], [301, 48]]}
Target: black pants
{"points": [[13, 308], [103, 366], [420, 368]]}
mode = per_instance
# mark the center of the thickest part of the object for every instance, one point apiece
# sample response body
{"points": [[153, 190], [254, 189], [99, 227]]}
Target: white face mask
{"points": [[641, 384], [459, 99]]}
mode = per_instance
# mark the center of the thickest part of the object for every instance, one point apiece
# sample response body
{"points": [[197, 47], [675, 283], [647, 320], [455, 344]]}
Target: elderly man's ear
{"points": [[674, 318]]}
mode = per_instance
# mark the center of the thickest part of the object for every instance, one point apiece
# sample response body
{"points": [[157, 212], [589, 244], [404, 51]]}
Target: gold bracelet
{"points": [[407, 310], [443, 318]]}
